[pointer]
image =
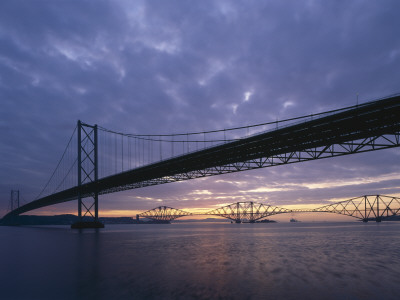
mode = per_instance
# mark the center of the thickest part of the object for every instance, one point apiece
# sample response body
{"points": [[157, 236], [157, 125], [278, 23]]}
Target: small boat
{"points": [[294, 220]]}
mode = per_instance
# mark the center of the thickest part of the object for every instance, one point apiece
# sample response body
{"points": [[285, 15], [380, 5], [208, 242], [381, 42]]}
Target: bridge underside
{"points": [[369, 127], [361, 129]]}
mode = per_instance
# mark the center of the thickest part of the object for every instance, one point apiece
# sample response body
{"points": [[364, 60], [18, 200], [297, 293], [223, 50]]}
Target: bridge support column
{"points": [[14, 200], [88, 212]]}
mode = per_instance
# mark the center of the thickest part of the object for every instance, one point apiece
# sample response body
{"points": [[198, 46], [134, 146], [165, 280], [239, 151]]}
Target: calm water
{"points": [[202, 261]]}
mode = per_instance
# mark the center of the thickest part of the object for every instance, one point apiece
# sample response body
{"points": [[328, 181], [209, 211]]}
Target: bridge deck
{"points": [[367, 121]]}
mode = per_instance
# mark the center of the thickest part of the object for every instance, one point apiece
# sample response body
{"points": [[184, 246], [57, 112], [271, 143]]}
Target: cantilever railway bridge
{"points": [[98, 161], [365, 208]]}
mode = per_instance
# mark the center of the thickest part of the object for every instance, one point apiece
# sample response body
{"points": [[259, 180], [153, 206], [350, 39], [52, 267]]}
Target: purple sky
{"points": [[178, 66]]}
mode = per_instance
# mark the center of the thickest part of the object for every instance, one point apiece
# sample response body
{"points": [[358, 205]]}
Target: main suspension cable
{"points": [[143, 136], [59, 162]]}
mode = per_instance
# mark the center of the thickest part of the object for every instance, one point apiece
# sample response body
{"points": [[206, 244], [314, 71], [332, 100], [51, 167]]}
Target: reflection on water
{"points": [[202, 261]]}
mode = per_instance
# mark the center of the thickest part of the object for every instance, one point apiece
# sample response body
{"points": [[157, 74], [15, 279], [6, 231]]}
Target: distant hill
{"points": [[69, 219], [218, 220], [391, 218]]}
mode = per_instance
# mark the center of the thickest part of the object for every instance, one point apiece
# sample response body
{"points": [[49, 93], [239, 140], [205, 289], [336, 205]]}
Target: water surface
{"points": [[202, 261]]}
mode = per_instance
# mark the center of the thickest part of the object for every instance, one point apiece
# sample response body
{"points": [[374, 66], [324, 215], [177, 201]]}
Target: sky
{"points": [[160, 67]]}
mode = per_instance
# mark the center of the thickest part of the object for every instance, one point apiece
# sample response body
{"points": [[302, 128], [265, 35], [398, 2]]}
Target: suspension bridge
{"points": [[99, 161], [365, 208]]}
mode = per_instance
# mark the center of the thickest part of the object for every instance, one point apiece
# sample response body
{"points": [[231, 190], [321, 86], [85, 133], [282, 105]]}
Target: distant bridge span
{"points": [[365, 208], [362, 128]]}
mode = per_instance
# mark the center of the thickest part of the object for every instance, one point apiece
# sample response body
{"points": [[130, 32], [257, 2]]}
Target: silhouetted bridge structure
{"points": [[98, 161], [365, 208]]}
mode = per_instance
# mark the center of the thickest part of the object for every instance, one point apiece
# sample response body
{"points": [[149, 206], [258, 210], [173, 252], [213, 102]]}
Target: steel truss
{"points": [[247, 211], [369, 127], [366, 208], [164, 213], [384, 141]]}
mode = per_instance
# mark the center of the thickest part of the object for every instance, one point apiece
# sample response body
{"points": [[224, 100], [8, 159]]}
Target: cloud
{"points": [[176, 66]]}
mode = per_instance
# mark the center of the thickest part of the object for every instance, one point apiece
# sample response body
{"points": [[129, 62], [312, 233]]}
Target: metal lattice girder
{"points": [[247, 211], [164, 213], [360, 146], [365, 128], [365, 208]]}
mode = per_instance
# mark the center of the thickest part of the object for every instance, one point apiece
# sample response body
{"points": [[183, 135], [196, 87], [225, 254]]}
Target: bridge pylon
{"points": [[14, 204], [14, 200], [88, 211]]}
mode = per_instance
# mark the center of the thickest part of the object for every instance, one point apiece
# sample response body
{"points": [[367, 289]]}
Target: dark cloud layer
{"points": [[176, 66]]}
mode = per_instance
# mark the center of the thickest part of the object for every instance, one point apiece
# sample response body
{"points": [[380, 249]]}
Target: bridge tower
{"points": [[88, 211], [14, 199]]}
